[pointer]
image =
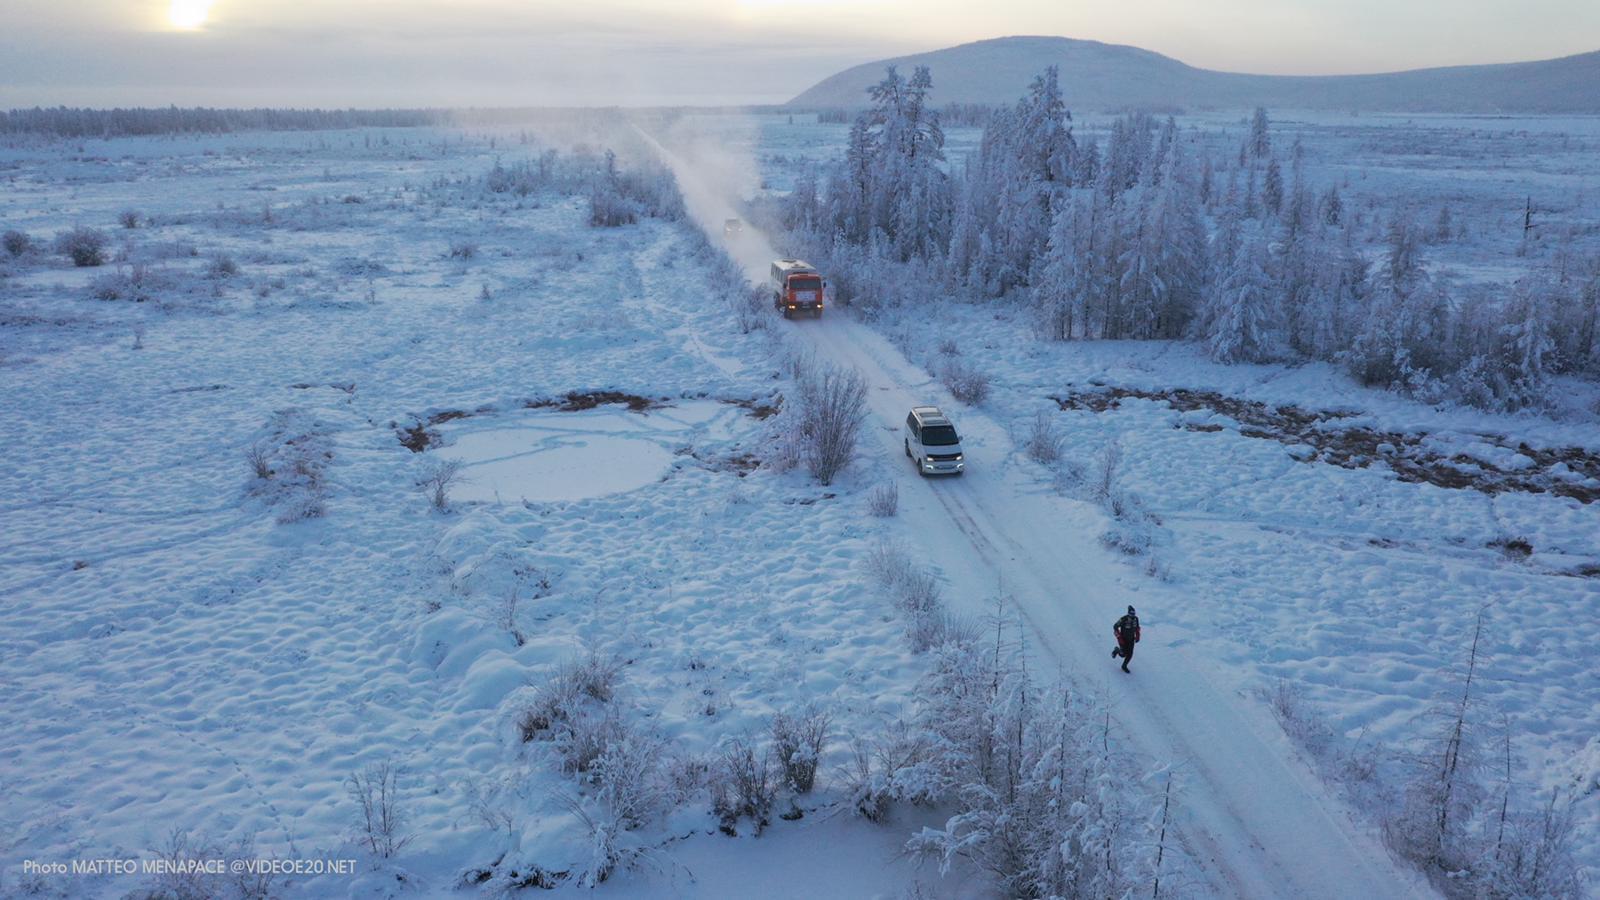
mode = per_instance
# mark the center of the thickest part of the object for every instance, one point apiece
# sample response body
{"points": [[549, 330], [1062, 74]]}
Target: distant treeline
{"points": [[959, 115], [67, 122]]}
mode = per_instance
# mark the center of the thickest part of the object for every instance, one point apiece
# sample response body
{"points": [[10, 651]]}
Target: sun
{"points": [[188, 15]]}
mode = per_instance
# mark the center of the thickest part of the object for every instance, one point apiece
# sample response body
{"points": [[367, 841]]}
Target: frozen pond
{"points": [[509, 464], [558, 456]]}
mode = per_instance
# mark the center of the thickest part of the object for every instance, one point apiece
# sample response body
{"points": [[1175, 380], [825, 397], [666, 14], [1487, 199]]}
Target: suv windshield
{"points": [[939, 435]]}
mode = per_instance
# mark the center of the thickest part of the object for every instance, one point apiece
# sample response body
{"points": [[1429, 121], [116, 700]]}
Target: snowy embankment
{"points": [[227, 595]]}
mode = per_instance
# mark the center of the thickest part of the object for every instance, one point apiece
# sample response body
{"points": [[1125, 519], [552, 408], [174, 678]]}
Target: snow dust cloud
{"points": [[714, 179]]}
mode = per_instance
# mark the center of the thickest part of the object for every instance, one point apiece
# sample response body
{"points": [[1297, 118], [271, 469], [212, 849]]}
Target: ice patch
{"points": [[546, 457], [510, 464]]}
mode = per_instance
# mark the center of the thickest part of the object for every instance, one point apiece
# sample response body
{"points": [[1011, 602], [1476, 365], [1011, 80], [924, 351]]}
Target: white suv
{"points": [[931, 442]]}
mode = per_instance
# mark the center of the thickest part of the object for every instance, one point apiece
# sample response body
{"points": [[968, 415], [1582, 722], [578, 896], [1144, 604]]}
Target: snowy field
{"points": [[191, 646]]}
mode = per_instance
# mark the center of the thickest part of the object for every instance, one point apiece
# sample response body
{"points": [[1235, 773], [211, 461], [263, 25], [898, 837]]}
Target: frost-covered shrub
{"points": [[998, 744], [549, 171], [915, 592], [1106, 470], [751, 304], [437, 480], [587, 680], [609, 209], [380, 819], [619, 197], [586, 733], [628, 791], [129, 218], [887, 769], [964, 381], [884, 501], [797, 742], [822, 419], [86, 247], [222, 266], [258, 457], [16, 243], [1133, 527], [1287, 701], [463, 250], [594, 675], [183, 875], [138, 283], [743, 787], [1042, 440]]}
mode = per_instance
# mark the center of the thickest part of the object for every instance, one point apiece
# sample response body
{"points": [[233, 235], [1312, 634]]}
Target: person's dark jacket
{"points": [[1126, 630]]}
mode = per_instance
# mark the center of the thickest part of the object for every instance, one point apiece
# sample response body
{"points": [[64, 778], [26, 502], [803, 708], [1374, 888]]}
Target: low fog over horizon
{"points": [[698, 52]]}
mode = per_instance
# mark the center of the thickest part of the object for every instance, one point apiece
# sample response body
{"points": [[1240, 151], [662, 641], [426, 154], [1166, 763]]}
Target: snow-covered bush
{"points": [[183, 875], [1105, 472], [129, 218], [563, 709], [258, 457], [1133, 526], [798, 739], [1287, 701], [627, 794], [586, 732], [222, 266], [1042, 799], [437, 480], [16, 243], [1457, 816], [609, 209], [965, 381], [889, 768], [1042, 439], [380, 819], [618, 197], [138, 283], [915, 592], [821, 418], [884, 501], [743, 787], [86, 247]]}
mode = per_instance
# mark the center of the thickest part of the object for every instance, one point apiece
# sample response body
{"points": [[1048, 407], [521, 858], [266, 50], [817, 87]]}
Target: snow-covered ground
{"points": [[188, 646]]}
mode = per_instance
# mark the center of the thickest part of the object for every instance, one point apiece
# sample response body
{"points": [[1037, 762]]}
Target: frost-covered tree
{"points": [[890, 180], [1260, 142], [1272, 188], [1042, 798], [1240, 313], [1019, 179], [1405, 338], [1162, 269], [1332, 207]]}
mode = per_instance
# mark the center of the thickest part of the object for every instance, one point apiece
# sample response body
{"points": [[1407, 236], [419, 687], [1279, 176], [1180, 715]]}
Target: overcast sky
{"points": [[635, 52]]}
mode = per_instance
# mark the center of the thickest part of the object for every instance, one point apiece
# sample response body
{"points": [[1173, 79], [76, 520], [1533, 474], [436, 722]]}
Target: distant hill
{"points": [[1101, 77]]}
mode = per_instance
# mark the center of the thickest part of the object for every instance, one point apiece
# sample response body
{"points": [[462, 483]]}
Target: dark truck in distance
{"points": [[796, 287]]}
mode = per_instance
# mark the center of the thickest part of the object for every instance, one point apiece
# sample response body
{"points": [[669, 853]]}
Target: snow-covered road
{"points": [[1253, 816]]}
